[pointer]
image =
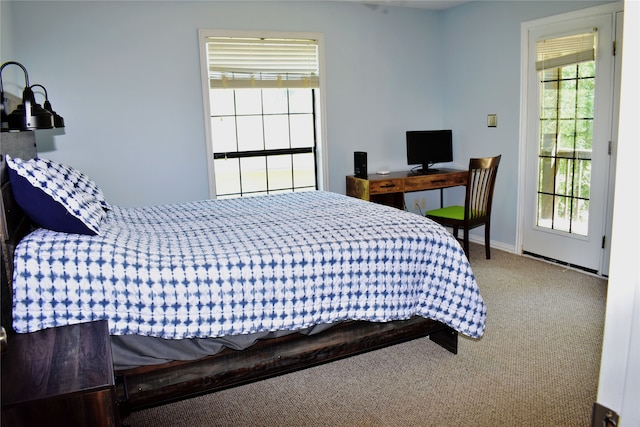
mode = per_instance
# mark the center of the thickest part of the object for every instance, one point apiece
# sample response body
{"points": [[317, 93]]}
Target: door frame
{"points": [[525, 27], [619, 18]]}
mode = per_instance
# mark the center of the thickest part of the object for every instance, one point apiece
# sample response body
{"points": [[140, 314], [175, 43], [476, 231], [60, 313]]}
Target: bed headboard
{"points": [[14, 224]]}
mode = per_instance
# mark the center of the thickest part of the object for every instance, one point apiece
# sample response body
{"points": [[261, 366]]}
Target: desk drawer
{"points": [[386, 186], [424, 182]]}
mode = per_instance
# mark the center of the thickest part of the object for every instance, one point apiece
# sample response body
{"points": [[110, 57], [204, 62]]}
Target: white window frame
{"points": [[321, 127]]}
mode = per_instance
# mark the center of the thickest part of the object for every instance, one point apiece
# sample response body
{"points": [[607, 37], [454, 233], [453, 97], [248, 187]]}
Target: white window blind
{"points": [[562, 51], [238, 63]]}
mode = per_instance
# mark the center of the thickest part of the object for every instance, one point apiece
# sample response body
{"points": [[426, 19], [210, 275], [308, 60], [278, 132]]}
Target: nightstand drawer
{"points": [[386, 186]]}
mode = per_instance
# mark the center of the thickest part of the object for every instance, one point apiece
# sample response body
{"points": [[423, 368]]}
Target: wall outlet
{"points": [[423, 203]]}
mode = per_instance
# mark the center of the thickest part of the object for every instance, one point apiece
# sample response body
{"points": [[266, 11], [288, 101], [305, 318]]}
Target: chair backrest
{"points": [[482, 178]]}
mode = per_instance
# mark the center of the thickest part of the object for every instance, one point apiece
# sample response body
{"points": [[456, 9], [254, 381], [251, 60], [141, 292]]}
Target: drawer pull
{"points": [[388, 186]]}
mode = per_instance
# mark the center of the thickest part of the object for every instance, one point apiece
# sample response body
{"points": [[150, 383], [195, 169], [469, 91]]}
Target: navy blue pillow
{"points": [[51, 199]]}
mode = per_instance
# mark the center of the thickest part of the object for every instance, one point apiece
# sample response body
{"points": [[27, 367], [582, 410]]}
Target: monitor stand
{"points": [[427, 171]]}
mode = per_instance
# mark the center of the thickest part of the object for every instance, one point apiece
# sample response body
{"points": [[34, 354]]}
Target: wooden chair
{"points": [[477, 203]]}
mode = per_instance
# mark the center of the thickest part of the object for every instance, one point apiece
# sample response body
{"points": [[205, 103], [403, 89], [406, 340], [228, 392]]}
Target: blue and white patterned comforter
{"points": [[226, 267]]}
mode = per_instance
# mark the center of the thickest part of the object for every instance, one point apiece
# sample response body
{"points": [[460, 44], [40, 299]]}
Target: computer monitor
{"points": [[428, 147]]}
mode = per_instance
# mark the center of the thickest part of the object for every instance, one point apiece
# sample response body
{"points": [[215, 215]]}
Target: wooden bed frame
{"points": [[149, 386]]}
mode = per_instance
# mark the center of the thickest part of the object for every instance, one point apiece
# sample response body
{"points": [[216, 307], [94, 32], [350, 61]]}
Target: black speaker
{"points": [[360, 164]]}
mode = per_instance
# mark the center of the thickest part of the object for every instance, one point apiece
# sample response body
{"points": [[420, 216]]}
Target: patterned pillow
{"points": [[80, 181], [55, 197]]}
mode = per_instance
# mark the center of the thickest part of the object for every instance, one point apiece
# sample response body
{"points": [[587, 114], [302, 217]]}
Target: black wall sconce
{"points": [[58, 121], [29, 115]]}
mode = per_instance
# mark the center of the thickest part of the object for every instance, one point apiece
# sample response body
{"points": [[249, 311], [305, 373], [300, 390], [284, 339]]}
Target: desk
{"points": [[389, 189]]}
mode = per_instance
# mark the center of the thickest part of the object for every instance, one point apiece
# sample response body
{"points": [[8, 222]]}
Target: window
{"points": [[566, 68], [264, 113]]}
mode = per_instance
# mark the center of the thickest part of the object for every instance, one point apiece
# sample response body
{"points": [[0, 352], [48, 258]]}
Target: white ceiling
{"points": [[421, 4]]}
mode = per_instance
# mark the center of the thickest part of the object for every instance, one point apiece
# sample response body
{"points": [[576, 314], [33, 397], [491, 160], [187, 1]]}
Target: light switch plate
{"points": [[492, 120]]}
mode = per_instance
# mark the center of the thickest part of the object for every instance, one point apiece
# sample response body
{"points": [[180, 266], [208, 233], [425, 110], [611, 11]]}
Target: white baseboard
{"points": [[494, 244]]}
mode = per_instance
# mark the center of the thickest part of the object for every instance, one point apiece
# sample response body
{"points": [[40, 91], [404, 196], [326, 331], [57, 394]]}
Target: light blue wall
{"points": [[126, 78], [6, 25]]}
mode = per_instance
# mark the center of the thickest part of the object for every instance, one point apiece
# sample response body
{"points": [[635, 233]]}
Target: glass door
{"points": [[569, 129]]}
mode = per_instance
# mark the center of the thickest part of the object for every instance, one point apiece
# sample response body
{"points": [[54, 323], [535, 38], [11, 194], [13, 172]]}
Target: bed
{"points": [[211, 294]]}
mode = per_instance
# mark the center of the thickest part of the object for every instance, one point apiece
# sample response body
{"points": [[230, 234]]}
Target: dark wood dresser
{"points": [[60, 376]]}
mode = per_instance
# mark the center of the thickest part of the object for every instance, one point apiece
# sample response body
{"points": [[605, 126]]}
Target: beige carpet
{"points": [[537, 365]]}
